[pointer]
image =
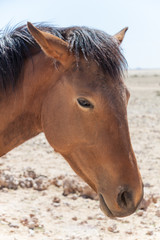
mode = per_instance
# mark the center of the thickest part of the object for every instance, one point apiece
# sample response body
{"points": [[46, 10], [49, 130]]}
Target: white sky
{"points": [[142, 42]]}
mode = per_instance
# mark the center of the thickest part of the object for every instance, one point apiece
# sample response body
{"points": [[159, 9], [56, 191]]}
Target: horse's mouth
{"points": [[104, 207]]}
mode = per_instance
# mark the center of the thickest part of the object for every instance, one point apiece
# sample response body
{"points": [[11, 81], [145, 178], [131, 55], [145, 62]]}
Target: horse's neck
{"points": [[20, 110], [16, 128]]}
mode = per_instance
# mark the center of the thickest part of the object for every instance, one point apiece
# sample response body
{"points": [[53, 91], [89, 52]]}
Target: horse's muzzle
{"points": [[125, 203]]}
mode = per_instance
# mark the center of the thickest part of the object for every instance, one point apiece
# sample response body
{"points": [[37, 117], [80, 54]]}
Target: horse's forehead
{"points": [[92, 77]]}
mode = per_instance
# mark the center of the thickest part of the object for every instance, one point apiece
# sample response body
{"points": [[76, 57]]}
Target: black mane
{"points": [[17, 44]]}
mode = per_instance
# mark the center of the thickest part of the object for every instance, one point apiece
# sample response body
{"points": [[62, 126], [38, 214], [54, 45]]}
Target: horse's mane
{"points": [[17, 44]]}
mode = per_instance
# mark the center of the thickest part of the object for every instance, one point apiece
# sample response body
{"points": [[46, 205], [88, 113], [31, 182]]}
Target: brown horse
{"points": [[68, 83]]}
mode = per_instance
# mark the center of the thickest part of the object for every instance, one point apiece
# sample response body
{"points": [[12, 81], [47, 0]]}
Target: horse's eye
{"points": [[84, 103]]}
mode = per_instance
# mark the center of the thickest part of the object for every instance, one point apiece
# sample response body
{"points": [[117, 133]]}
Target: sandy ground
{"points": [[27, 213]]}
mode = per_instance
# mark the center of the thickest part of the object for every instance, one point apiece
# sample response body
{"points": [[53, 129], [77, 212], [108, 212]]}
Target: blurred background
{"points": [[142, 43]]}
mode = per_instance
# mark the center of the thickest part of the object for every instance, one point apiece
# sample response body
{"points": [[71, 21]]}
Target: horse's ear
{"points": [[51, 45], [120, 35]]}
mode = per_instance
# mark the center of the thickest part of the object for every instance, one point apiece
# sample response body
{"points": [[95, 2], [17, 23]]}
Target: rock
{"points": [[74, 197], [69, 186], [150, 233], [8, 181], [28, 182], [83, 222], [113, 228], [36, 222], [87, 192], [100, 217], [2, 181], [148, 185], [40, 183], [56, 200], [13, 225], [24, 221], [57, 182], [29, 173], [90, 217], [22, 184], [144, 204], [75, 185], [31, 222], [154, 199], [158, 213], [129, 232], [139, 213]]}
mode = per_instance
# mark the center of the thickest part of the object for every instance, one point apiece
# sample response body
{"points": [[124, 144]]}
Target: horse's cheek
{"points": [[55, 123]]}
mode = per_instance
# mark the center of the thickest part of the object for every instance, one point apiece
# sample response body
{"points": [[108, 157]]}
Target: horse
{"points": [[69, 84]]}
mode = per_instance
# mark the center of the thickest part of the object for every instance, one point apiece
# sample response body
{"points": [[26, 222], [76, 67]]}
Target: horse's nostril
{"points": [[124, 199]]}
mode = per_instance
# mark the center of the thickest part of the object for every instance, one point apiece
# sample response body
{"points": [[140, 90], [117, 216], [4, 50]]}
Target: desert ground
{"points": [[41, 197]]}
